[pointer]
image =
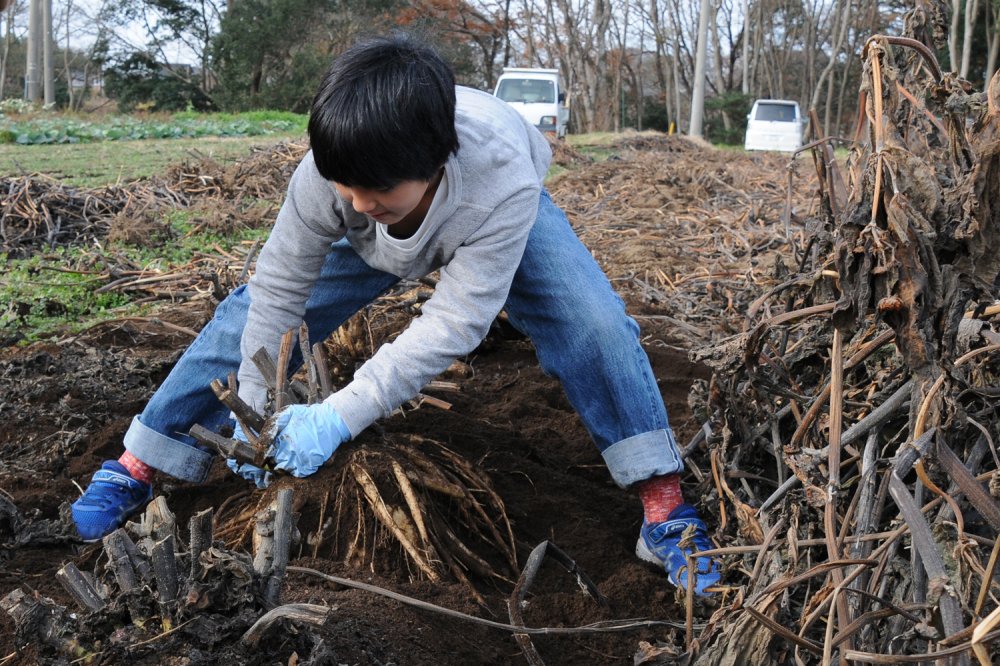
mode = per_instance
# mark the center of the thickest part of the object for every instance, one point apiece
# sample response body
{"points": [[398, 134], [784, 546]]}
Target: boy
{"points": [[408, 174]]}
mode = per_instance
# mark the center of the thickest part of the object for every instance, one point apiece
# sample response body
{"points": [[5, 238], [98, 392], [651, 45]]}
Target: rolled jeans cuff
{"points": [[168, 455], [643, 456]]}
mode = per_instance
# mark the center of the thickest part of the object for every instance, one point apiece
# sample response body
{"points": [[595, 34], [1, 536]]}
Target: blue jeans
{"points": [[560, 298]]}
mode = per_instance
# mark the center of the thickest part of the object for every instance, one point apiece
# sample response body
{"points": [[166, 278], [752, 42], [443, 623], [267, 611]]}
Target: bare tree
{"points": [[745, 79], [993, 42], [656, 24], [76, 62], [620, 25], [956, 17], [486, 27], [971, 11], [169, 26], [794, 49], [698, 96], [826, 76], [32, 90], [575, 36], [10, 7], [48, 66], [723, 55], [70, 91]]}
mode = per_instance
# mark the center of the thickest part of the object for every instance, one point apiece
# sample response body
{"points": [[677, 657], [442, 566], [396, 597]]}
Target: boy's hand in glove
{"points": [[305, 438], [259, 477]]}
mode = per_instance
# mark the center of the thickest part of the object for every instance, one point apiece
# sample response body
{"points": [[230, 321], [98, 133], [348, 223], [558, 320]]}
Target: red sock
{"points": [[137, 469], [660, 495]]}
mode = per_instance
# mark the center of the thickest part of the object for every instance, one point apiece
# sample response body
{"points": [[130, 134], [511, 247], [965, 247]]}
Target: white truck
{"points": [[536, 95], [774, 124]]}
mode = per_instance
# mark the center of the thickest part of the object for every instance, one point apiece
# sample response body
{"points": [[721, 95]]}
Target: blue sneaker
{"points": [[112, 496], [665, 545]]}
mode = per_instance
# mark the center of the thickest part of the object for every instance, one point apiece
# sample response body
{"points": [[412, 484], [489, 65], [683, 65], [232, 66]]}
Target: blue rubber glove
{"points": [[259, 477], [307, 435]]}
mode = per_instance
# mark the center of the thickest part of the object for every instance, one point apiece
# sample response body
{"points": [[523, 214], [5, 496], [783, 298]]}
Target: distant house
{"points": [[180, 69], [79, 80]]}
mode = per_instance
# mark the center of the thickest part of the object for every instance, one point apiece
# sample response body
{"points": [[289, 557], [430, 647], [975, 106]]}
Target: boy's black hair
{"points": [[385, 113]]}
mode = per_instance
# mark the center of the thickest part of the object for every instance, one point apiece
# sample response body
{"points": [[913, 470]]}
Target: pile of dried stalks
{"points": [[691, 231], [852, 435], [264, 174], [38, 213]]}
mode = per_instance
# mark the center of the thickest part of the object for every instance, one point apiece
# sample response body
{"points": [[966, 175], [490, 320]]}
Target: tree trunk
{"points": [[840, 35], [956, 16], [33, 92], [638, 83], [826, 130], [659, 55], [256, 77], [698, 98], [720, 83], [71, 102], [812, 41], [679, 80], [971, 11], [506, 33], [48, 66], [745, 83], [758, 50], [578, 36], [8, 38], [599, 64], [838, 128], [993, 39], [677, 84], [619, 85]]}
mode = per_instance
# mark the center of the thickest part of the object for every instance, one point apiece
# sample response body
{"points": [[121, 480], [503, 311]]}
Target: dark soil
{"points": [[65, 406], [65, 409]]}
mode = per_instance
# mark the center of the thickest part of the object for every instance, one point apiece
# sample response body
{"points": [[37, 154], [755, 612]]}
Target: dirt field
{"points": [[684, 231]]}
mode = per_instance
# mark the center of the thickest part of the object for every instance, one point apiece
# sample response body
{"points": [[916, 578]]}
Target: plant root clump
{"points": [[388, 503], [399, 504]]}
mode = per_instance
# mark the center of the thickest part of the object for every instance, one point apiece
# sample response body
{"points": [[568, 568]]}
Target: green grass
{"points": [[593, 139], [555, 170], [110, 162], [296, 119], [49, 128], [95, 151], [37, 298], [56, 293], [599, 146]]}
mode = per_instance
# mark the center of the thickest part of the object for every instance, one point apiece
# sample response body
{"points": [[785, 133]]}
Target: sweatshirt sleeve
{"points": [[287, 269], [471, 292]]}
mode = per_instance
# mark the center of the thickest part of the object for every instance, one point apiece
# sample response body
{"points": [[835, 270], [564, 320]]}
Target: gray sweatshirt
{"points": [[474, 232]]}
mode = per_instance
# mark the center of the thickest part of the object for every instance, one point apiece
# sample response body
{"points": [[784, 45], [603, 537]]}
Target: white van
{"points": [[774, 124], [536, 95]]}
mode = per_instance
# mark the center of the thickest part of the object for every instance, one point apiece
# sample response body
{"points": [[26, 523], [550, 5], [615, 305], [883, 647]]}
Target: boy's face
{"points": [[387, 206]]}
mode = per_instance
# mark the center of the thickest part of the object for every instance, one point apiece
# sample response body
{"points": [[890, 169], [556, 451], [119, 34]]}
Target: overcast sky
{"points": [[82, 31]]}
